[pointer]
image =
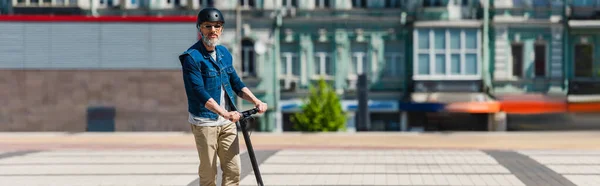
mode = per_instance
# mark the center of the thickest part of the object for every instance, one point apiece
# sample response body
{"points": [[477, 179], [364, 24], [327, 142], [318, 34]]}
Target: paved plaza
{"points": [[30, 162]]}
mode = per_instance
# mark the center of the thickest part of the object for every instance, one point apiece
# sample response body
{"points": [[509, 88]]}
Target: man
{"points": [[210, 83]]}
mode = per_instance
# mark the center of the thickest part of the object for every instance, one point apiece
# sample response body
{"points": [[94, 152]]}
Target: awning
{"points": [[583, 103], [584, 107], [463, 102], [532, 104], [347, 105]]}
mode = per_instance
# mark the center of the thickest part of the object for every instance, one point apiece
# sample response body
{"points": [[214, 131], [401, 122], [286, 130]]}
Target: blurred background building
{"points": [[77, 65]]}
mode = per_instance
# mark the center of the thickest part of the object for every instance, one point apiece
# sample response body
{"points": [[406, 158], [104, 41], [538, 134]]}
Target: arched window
{"points": [[248, 59]]}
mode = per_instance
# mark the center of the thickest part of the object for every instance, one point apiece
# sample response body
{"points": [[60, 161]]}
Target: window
{"points": [[435, 3], [248, 58], [289, 3], [383, 3], [584, 66], [584, 3], [323, 65], [101, 3], [392, 3], [394, 59], [359, 3], [541, 3], [247, 3], [376, 3], [443, 3], [359, 63], [167, 3], [290, 63], [322, 4], [540, 59], [444, 53], [517, 59], [206, 3]]}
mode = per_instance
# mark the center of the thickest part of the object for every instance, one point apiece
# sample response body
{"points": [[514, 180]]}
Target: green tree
{"points": [[321, 112]]}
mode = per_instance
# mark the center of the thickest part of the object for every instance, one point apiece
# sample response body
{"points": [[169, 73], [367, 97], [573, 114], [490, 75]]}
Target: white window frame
{"points": [[357, 68], [16, 3], [130, 4], [29, 3], [166, 3], [289, 61], [99, 4], [323, 66], [448, 52]]}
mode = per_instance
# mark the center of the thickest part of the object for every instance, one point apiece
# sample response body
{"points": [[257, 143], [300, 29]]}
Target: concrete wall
{"points": [[57, 100]]}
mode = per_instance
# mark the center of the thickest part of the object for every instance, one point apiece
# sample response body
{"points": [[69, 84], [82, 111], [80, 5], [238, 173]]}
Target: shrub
{"points": [[321, 112]]}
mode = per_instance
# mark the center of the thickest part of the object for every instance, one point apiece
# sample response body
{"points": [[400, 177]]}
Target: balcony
{"points": [[584, 10], [449, 10], [538, 9]]}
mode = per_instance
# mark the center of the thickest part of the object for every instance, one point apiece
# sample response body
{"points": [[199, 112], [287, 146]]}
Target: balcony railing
{"points": [[533, 12]]}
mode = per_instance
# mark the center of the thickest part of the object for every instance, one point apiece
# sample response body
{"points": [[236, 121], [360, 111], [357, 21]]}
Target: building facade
{"points": [[582, 54], [426, 60], [529, 43]]}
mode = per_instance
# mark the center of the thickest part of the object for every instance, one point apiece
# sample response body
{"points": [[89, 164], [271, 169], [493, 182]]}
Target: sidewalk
{"points": [[334, 159], [376, 140]]}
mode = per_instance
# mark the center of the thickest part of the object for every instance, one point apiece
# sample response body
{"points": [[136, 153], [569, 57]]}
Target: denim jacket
{"points": [[203, 77]]}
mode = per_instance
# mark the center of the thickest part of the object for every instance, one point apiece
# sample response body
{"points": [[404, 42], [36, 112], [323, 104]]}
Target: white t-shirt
{"points": [[202, 121]]}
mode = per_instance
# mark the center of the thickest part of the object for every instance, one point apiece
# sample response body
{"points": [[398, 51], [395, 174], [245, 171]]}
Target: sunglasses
{"points": [[212, 26]]}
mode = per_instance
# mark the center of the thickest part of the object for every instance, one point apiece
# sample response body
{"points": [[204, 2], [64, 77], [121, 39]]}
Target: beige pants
{"points": [[221, 142]]}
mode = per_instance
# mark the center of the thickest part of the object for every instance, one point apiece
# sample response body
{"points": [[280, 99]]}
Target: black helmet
{"points": [[209, 15]]}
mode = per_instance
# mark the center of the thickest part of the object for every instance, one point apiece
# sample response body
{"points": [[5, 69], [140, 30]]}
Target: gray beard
{"points": [[208, 42]]}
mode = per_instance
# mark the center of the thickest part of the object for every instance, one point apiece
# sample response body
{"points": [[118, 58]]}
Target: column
{"points": [[306, 59], [276, 90], [376, 56], [502, 69], [341, 59]]}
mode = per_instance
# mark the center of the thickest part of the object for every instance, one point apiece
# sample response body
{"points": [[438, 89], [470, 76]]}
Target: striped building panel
{"points": [[11, 49], [125, 45], [167, 41], [74, 45], [37, 42]]}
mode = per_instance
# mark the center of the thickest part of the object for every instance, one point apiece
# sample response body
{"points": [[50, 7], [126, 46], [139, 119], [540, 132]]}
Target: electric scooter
{"points": [[245, 115]]}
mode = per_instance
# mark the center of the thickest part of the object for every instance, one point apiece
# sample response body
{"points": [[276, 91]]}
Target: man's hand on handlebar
{"points": [[262, 107], [232, 116]]}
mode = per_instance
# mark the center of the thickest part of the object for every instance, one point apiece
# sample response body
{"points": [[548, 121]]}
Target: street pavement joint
{"points": [[529, 171], [17, 153]]}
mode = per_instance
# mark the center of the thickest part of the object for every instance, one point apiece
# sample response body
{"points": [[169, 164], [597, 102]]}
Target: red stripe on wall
{"points": [[78, 18]]}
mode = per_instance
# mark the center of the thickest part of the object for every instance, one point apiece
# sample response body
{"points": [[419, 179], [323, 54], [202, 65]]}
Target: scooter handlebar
{"points": [[248, 113]]}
